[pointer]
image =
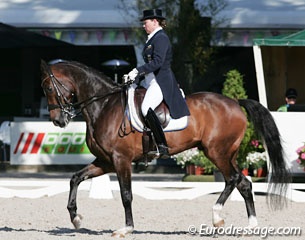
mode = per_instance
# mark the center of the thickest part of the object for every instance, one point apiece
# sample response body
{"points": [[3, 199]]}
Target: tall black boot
{"points": [[153, 123]]}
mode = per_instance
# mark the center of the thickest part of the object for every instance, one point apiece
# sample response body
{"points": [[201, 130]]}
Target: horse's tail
{"points": [[279, 175]]}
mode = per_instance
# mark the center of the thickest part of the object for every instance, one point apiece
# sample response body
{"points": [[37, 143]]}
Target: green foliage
{"points": [[234, 88], [201, 160], [196, 157]]}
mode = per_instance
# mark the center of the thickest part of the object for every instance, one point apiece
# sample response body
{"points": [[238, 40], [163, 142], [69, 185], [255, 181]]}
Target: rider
{"points": [[158, 78]]}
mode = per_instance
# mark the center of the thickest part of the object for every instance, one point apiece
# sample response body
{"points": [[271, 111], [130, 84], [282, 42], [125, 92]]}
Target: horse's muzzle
{"points": [[62, 120]]}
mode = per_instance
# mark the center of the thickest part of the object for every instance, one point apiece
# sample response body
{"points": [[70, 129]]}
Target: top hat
{"points": [[151, 14], [291, 93]]}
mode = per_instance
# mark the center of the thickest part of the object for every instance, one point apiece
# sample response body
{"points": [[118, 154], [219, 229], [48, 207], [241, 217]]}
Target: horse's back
{"points": [[214, 113]]}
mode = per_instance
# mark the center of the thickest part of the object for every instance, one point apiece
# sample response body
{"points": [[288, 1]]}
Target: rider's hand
{"points": [[125, 78], [133, 74]]}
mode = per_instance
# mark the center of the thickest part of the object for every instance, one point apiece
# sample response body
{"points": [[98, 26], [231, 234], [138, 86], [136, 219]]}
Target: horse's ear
{"points": [[43, 66]]}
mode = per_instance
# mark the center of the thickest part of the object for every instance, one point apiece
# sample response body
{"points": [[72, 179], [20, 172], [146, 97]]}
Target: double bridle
{"points": [[68, 107]]}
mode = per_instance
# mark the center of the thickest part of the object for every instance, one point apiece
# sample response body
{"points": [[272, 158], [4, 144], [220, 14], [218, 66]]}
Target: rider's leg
{"points": [[152, 99], [154, 124]]}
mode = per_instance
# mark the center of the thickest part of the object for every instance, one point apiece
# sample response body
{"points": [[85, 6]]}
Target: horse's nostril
{"points": [[56, 122]]}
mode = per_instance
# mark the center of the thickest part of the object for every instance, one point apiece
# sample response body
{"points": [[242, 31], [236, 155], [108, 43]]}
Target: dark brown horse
{"points": [[216, 125]]}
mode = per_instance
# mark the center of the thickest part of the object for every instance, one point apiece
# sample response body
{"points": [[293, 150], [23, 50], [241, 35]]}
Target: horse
{"points": [[216, 125]]}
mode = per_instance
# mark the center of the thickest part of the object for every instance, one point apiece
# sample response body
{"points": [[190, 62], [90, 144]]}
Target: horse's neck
{"points": [[93, 91], [103, 104]]}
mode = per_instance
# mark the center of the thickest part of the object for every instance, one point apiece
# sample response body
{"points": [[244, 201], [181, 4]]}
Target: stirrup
{"points": [[161, 152]]}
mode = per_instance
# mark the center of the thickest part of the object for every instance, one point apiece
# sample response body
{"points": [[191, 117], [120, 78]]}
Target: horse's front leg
{"points": [[124, 177], [94, 169]]}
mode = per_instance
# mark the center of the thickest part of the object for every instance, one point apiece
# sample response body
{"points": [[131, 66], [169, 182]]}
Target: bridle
{"points": [[65, 106], [68, 107]]}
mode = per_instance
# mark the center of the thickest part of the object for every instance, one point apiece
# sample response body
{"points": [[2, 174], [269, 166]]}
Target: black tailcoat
{"points": [[157, 54]]}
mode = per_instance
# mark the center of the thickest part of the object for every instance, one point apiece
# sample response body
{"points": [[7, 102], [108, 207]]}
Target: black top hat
{"points": [[151, 14], [291, 93]]}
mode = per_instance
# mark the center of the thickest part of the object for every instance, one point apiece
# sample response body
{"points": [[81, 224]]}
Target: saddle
{"points": [[161, 111]]}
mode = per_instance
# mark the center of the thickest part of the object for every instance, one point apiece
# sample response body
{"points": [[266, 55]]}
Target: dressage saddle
{"points": [[161, 111]]}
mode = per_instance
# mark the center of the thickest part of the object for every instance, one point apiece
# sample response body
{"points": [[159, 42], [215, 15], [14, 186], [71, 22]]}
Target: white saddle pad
{"points": [[173, 125]]}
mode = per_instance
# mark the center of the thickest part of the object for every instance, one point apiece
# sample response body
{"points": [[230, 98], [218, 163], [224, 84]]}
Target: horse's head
{"points": [[59, 89]]}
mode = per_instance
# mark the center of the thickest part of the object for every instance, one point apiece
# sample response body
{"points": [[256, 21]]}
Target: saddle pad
{"points": [[173, 125]]}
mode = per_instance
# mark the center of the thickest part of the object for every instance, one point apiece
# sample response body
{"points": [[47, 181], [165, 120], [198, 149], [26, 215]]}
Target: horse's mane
{"points": [[90, 72]]}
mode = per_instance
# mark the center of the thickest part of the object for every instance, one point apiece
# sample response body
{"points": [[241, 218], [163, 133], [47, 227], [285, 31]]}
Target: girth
{"points": [[161, 111]]}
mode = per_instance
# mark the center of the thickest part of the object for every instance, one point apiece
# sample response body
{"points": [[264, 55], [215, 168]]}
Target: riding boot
{"points": [[154, 124]]}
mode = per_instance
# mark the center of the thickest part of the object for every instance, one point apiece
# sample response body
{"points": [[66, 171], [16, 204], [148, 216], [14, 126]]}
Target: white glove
{"points": [[125, 78], [133, 74]]}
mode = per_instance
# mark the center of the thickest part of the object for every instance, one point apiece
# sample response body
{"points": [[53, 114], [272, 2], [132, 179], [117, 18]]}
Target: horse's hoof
{"points": [[220, 223], [121, 233], [77, 221]]}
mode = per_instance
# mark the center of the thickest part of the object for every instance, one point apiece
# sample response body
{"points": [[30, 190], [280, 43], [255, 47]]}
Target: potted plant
{"points": [[257, 158], [194, 161], [259, 162], [199, 163], [207, 164], [301, 156], [185, 160]]}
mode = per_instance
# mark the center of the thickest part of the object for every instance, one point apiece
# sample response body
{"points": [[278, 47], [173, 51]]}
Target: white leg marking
{"points": [[121, 233], [252, 222], [216, 214]]}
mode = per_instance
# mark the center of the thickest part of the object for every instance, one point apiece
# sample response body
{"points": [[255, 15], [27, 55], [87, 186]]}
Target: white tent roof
{"points": [[264, 13], [107, 13], [63, 13]]}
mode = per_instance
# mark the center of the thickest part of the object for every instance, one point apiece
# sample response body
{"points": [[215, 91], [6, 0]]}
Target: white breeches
{"points": [[153, 96]]}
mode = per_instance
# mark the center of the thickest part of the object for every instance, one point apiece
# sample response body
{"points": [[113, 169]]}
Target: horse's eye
{"points": [[49, 89]]}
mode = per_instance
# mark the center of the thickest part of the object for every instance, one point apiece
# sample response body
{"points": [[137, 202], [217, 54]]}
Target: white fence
{"points": [[103, 188]]}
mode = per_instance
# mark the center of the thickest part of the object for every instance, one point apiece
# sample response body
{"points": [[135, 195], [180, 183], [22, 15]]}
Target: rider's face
{"points": [[150, 25]]}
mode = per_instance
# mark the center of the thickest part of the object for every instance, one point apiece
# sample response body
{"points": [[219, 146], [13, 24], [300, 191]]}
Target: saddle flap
{"points": [[161, 111]]}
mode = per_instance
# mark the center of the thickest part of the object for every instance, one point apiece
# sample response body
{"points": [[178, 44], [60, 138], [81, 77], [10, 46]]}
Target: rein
{"points": [[83, 104]]}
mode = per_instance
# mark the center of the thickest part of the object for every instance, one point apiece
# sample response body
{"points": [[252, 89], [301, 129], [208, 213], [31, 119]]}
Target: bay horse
{"points": [[216, 125]]}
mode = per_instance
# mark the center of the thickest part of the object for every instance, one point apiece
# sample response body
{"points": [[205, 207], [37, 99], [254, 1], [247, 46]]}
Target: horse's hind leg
{"points": [[245, 189], [92, 170], [218, 221], [244, 186]]}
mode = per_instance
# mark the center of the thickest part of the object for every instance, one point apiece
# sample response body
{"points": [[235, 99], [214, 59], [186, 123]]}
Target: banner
{"points": [[42, 143]]}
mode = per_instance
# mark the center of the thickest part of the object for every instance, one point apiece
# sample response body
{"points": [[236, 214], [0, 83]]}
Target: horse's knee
{"points": [[74, 181]]}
